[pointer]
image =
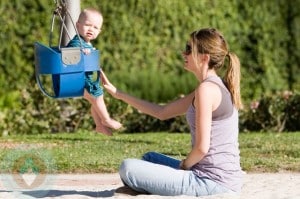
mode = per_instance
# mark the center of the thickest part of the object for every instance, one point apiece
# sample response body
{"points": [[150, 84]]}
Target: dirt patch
{"points": [[18, 145], [85, 186]]}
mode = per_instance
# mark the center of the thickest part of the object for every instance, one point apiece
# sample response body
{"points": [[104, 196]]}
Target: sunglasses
{"points": [[188, 49]]}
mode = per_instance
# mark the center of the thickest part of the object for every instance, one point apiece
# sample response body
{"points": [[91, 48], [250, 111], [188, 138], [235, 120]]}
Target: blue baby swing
{"points": [[65, 66]]}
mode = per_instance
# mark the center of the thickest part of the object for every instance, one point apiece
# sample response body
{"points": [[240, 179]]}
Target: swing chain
{"points": [[60, 8], [62, 11]]}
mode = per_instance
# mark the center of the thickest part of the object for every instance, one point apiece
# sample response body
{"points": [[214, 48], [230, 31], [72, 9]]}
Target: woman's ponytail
{"points": [[232, 79]]}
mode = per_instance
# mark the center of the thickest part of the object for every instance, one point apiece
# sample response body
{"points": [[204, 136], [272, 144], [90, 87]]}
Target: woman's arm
{"points": [[162, 112]]}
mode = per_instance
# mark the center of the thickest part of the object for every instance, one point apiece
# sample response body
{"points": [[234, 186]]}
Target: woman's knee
{"points": [[127, 171], [126, 167]]}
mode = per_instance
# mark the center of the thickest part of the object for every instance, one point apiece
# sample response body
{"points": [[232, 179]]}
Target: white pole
{"points": [[74, 8]]}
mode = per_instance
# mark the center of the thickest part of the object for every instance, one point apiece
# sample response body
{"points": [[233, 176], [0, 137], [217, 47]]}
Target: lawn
{"points": [[88, 152]]}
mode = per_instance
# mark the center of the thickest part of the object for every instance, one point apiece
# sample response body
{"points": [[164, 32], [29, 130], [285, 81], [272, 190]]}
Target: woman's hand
{"points": [[182, 165], [111, 89]]}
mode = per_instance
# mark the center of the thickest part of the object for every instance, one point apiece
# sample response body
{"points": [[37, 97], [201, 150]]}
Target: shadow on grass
{"points": [[58, 193], [132, 141], [67, 139], [93, 139]]}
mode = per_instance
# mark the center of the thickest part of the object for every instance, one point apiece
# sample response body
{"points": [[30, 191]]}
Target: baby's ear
{"points": [[77, 24]]}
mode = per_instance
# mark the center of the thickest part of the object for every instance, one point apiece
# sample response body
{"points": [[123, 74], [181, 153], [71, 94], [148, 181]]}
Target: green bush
{"points": [[265, 35], [38, 114], [141, 45], [278, 112], [292, 111]]}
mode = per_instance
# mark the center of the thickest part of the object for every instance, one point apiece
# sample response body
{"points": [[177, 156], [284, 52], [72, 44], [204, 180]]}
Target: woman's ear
{"points": [[205, 58]]}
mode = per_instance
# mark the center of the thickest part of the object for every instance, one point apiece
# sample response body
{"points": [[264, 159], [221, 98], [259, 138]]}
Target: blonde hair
{"points": [[85, 12], [210, 41]]}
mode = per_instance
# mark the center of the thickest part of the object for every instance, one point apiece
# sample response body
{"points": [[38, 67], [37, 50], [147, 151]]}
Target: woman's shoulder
{"points": [[209, 93], [207, 87]]}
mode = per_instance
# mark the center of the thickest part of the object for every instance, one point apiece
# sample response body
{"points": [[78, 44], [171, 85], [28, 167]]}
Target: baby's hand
{"points": [[86, 51]]}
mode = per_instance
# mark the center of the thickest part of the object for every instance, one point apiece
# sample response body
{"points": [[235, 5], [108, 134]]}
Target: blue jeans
{"points": [[160, 175]]}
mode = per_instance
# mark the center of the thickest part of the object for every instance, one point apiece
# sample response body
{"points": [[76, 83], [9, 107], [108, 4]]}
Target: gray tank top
{"points": [[222, 162]]}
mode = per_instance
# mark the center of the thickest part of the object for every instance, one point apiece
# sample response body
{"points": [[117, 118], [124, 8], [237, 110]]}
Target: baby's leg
{"points": [[99, 107], [101, 110]]}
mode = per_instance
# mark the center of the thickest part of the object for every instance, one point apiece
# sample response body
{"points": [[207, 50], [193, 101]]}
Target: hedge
{"points": [[141, 45]]}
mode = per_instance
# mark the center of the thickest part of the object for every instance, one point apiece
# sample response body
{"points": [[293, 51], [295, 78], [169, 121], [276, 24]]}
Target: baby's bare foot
{"points": [[100, 128], [112, 124], [103, 129]]}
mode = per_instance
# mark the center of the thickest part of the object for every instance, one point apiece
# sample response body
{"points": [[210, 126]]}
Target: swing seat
{"points": [[66, 68]]}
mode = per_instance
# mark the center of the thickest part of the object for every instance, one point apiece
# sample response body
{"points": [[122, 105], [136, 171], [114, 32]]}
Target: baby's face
{"points": [[89, 26]]}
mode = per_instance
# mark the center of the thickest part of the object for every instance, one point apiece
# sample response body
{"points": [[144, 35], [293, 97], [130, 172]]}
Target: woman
{"points": [[213, 164]]}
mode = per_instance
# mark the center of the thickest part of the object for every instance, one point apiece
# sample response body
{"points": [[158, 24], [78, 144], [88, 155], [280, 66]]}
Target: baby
{"points": [[89, 26]]}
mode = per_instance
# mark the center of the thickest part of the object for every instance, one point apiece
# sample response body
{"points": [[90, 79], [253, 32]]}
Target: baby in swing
{"points": [[89, 26]]}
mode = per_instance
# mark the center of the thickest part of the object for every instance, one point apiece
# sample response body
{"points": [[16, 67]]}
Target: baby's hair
{"points": [[88, 10]]}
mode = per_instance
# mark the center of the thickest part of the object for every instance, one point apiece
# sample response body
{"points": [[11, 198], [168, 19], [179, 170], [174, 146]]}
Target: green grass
{"points": [[270, 152], [86, 152]]}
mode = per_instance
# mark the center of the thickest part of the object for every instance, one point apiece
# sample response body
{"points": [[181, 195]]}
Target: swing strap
{"points": [[61, 11]]}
